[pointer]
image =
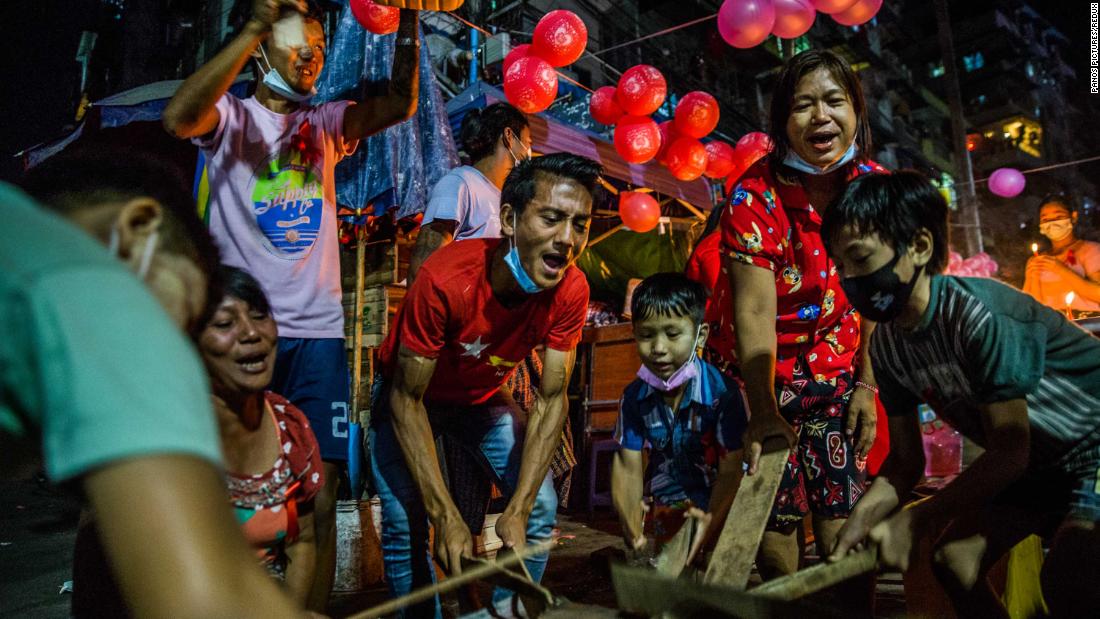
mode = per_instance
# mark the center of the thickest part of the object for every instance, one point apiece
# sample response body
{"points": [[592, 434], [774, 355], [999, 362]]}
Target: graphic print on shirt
{"points": [[288, 202]]}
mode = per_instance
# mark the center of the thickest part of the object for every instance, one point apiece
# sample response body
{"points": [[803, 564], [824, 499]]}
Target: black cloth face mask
{"points": [[880, 296]]}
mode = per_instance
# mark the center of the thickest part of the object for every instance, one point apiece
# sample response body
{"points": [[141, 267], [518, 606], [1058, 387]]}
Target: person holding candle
{"points": [[1072, 266]]}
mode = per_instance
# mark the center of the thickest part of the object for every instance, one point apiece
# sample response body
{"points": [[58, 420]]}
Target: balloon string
{"points": [[656, 34], [1042, 169]]}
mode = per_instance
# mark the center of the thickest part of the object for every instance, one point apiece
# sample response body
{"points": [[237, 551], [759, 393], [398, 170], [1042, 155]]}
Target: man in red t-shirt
{"points": [[476, 309]]}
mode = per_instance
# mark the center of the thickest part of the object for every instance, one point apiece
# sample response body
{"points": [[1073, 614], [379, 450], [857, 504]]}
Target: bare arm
{"points": [[754, 323], [303, 556], [174, 545], [862, 411], [431, 237], [374, 114], [626, 493], [414, 433], [191, 112], [543, 436]]}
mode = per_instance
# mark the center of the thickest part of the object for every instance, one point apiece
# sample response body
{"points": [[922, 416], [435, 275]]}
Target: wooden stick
{"points": [[604, 235], [820, 576], [452, 582], [731, 561]]}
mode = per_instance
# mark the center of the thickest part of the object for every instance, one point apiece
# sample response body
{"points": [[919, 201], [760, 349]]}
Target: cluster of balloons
{"points": [[1007, 182], [530, 81], [747, 23]]}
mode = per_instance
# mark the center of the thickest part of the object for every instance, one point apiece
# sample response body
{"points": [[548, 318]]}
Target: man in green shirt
{"points": [[95, 370], [1009, 373]]}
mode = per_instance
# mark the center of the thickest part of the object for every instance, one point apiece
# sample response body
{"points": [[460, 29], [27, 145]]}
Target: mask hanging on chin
{"points": [[880, 296], [146, 252], [792, 160], [683, 374], [511, 259], [274, 80]]}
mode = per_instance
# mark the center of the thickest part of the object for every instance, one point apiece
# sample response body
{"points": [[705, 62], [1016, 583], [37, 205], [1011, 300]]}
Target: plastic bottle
{"points": [[942, 445]]}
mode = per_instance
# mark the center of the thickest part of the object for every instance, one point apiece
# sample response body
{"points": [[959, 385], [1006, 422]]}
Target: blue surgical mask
{"points": [[512, 260], [794, 161], [274, 80]]}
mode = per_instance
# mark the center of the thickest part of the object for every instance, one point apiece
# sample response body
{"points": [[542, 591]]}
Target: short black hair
{"points": [[88, 177], [1059, 198], [240, 284], [894, 206], [798, 67], [519, 186], [669, 294], [481, 129]]}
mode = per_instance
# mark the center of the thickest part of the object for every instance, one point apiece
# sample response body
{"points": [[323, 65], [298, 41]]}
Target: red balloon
{"points": [[755, 140], [746, 23], [832, 6], [376, 18], [519, 51], [696, 114], [639, 211], [531, 84], [560, 38], [687, 159], [641, 90], [668, 136], [793, 18], [752, 147], [859, 13], [637, 138], [720, 160], [603, 107]]}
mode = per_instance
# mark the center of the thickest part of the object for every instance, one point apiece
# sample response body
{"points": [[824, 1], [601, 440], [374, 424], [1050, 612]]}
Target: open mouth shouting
{"points": [[255, 363], [553, 263], [823, 141], [307, 72]]}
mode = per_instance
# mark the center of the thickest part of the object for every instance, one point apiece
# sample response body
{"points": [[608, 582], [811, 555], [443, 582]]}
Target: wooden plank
{"points": [[674, 554], [821, 576], [735, 551]]}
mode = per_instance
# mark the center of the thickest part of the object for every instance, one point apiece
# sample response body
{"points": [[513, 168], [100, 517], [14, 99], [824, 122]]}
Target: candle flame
{"points": [[1069, 298], [1034, 248]]}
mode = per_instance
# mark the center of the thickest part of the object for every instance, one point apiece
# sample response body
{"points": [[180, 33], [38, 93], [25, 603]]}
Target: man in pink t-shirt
{"points": [[272, 209]]}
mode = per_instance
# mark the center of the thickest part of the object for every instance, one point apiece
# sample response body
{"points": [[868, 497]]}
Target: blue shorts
{"points": [[313, 375]]}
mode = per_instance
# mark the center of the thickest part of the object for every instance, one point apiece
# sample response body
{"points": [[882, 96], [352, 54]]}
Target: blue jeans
{"points": [[489, 431]]}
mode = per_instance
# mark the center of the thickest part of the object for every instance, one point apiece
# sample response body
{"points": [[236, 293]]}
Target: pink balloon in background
{"points": [[376, 18], [746, 23], [531, 84], [832, 6], [696, 114], [687, 158], [859, 13], [637, 138], [639, 211], [793, 18], [719, 159], [641, 90], [560, 38], [519, 51], [603, 107], [1007, 182]]}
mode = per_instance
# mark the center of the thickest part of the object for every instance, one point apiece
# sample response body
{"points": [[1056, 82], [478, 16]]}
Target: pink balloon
{"points": [[1007, 182], [746, 23], [793, 18], [560, 38], [531, 84], [641, 90], [832, 6], [639, 211], [637, 138], [720, 160], [696, 114], [376, 18], [602, 106], [687, 159], [519, 51], [859, 13]]}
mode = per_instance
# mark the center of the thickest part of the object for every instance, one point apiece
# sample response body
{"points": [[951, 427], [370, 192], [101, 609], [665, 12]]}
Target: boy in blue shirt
{"points": [[689, 415], [1011, 374]]}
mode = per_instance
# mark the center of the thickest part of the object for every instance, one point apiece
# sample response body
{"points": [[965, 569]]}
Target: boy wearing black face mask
{"points": [[1011, 374]]}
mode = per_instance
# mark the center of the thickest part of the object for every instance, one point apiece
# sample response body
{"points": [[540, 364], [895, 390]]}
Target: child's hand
{"points": [[896, 538]]}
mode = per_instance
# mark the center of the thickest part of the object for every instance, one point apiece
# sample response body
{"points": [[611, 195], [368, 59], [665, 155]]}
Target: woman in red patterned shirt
{"points": [[798, 338], [270, 451]]}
